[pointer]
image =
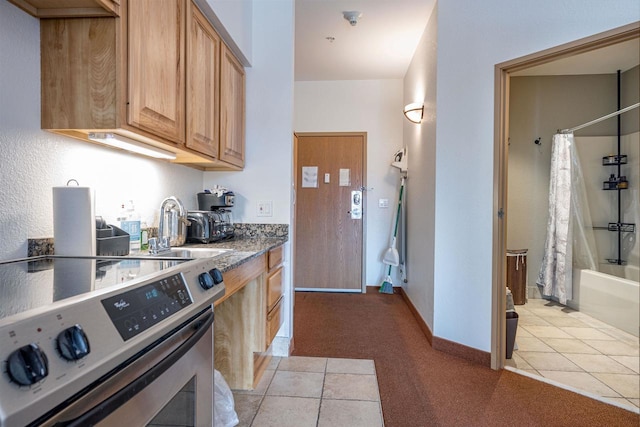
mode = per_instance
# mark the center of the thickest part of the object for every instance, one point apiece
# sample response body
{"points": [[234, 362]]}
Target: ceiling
{"points": [[383, 42], [379, 46]]}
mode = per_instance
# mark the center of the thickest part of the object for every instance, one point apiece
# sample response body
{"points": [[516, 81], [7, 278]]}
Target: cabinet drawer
{"points": [[274, 321], [275, 257], [274, 288]]}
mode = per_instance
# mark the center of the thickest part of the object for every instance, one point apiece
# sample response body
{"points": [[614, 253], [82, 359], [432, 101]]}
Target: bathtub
{"points": [[631, 272], [610, 299]]}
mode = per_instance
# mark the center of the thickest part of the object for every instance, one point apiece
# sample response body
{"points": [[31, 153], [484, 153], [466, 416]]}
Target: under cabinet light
{"points": [[414, 112], [132, 145]]}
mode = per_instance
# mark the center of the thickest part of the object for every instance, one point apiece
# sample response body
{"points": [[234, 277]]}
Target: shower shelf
{"points": [[614, 160], [624, 227], [609, 185]]}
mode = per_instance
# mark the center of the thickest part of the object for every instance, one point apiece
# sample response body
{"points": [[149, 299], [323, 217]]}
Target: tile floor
{"points": [[312, 391], [572, 348]]}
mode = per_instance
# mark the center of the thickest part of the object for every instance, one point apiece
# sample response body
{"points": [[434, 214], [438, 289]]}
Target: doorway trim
{"points": [[502, 77], [363, 285]]}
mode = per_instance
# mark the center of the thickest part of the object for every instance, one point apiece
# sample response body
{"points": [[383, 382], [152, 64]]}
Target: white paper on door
{"points": [[309, 177], [345, 177]]}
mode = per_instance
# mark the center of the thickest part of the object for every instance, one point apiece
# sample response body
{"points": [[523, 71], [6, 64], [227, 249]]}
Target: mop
{"points": [[391, 256]]}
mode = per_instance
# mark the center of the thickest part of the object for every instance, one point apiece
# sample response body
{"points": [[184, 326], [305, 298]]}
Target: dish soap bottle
{"points": [[130, 222], [144, 236]]}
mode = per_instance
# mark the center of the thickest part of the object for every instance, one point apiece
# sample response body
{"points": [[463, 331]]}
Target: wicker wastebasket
{"points": [[517, 274]]}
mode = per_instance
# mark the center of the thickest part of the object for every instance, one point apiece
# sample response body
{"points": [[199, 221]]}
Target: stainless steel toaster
{"points": [[201, 227], [209, 226]]}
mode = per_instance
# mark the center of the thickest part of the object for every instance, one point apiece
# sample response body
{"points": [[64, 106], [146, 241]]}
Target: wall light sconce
{"points": [[128, 144], [413, 112]]}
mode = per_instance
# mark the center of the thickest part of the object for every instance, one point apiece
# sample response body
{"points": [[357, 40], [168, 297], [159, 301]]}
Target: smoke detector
{"points": [[352, 16]]}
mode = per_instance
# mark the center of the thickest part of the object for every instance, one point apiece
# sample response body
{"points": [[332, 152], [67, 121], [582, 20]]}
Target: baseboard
{"points": [[456, 349], [468, 353], [376, 289], [421, 323]]}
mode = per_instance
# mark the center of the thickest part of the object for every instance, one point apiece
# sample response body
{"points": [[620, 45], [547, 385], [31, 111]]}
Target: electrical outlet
{"points": [[265, 208]]}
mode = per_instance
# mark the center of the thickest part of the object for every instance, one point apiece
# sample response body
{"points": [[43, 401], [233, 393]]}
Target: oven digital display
{"points": [[137, 310]]}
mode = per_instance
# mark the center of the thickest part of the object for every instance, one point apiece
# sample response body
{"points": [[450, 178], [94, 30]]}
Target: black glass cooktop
{"points": [[29, 284]]}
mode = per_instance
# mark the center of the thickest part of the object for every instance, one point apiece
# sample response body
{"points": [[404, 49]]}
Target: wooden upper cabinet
{"points": [[203, 84], [158, 73], [69, 8], [232, 114], [78, 79], [156, 30]]}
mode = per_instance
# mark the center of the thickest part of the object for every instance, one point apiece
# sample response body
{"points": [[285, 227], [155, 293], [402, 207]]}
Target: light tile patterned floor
{"points": [[312, 391], [572, 348]]}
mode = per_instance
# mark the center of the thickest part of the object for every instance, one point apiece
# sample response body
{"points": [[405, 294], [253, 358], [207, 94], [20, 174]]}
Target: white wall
{"points": [[472, 38], [232, 19], [33, 161], [420, 86], [375, 107]]}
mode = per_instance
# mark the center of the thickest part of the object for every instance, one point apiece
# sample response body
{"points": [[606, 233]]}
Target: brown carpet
{"points": [[420, 386]]}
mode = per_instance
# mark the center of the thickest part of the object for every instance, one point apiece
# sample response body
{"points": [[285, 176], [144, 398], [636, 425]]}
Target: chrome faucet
{"points": [[173, 212]]}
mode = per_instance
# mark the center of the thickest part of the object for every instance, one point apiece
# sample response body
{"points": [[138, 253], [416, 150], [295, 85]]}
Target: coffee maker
{"points": [[213, 221]]}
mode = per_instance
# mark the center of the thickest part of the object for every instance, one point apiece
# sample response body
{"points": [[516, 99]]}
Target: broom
{"points": [[387, 285], [391, 257]]}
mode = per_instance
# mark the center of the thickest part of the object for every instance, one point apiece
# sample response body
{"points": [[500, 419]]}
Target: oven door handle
{"points": [[104, 409]]}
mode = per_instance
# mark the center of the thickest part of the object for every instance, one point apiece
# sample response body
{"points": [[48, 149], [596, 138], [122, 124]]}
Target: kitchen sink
{"points": [[197, 252], [190, 253]]}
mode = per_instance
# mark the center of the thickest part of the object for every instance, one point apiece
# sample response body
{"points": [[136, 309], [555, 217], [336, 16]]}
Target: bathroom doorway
{"points": [[503, 74]]}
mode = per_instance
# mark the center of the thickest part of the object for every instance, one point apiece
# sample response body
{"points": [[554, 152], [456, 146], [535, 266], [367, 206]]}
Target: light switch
{"points": [[265, 208], [327, 178], [383, 203]]}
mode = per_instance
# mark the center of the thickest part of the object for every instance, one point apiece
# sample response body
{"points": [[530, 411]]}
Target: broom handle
{"points": [[395, 230]]}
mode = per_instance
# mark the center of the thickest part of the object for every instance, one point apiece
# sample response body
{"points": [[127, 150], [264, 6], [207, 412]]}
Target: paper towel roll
{"points": [[74, 221]]}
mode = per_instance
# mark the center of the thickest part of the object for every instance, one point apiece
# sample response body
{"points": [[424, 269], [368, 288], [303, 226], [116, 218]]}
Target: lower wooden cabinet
{"points": [[248, 319]]}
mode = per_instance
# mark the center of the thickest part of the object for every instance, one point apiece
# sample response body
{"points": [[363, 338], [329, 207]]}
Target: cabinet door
{"points": [[274, 288], [231, 109], [203, 94], [274, 321], [156, 67]]}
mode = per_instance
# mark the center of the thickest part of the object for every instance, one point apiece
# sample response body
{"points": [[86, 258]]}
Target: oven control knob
{"points": [[27, 365], [206, 281], [73, 343], [217, 276]]}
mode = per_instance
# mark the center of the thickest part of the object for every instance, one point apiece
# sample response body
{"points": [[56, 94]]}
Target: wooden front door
{"points": [[330, 177]]}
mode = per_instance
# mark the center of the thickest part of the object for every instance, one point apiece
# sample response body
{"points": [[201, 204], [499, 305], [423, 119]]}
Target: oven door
{"points": [[170, 384]]}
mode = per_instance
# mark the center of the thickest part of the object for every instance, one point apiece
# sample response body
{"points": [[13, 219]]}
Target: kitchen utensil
{"points": [[173, 221]]}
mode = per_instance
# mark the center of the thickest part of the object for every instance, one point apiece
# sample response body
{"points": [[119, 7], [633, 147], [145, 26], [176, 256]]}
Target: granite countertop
{"points": [[251, 241], [242, 249]]}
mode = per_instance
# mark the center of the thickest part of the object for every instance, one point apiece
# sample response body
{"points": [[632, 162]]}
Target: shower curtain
{"points": [[570, 241]]}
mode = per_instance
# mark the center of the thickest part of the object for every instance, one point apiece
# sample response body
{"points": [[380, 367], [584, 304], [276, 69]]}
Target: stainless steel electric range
{"points": [[104, 341]]}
